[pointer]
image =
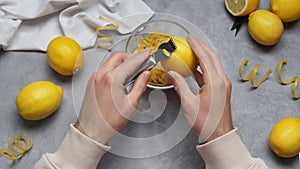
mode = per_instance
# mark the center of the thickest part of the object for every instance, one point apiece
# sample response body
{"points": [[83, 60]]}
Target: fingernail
{"points": [[147, 50], [191, 37], [146, 75], [170, 75]]}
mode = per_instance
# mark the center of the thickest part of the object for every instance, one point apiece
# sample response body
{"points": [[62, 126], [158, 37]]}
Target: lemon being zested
{"points": [[265, 27], [182, 59], [64, 55], [287, 10], [285, 137], [38, 100], [241, 7]]}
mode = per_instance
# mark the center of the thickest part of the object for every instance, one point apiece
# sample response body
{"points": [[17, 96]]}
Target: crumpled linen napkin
{"points": [[32, 24]]}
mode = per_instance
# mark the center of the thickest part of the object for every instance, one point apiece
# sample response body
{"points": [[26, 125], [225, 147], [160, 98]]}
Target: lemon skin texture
{"points": [[284, 139], [265, 27], [65, 56], [38, 100], [182, 60], [287, 10]]}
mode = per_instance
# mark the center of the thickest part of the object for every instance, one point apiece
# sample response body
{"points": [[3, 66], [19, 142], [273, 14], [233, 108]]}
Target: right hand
{"points": [[106, 107], [208, 112]]}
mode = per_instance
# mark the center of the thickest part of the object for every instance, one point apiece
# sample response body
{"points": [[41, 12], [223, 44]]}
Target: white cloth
{"points": [[32, 24]]}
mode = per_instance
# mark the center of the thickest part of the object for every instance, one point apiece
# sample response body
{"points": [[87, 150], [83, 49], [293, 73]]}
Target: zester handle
{"points": [[148, 64]]}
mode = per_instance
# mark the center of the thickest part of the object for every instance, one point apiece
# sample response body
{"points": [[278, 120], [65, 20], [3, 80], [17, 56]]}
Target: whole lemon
{"points": [[284, 138], [39, 100], [265, 27], [241, 7], [64, 55], [182, 59], [287, 10]]}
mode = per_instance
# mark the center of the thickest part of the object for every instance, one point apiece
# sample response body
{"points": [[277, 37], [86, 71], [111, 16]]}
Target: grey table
{"points": [[254, 111]]}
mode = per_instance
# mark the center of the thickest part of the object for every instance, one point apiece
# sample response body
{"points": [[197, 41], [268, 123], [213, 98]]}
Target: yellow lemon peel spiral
{"points": [[252, 74], [104, 38], [19, 145], [294, 80]]}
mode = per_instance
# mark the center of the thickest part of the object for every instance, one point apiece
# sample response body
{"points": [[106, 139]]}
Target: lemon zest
{"points": [[19, 141], [294, 80], [106, 28], [9, 155], [105, 38], [251, 76], [280, 64], [152, 41], [106, 19], [294, 87]]}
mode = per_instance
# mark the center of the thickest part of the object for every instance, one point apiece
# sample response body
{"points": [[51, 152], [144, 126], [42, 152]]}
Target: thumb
{"points": [[139, 88], [180, 86]]}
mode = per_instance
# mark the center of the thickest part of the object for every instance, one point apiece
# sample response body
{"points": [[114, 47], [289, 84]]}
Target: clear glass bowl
{"points": [[164, 26]]}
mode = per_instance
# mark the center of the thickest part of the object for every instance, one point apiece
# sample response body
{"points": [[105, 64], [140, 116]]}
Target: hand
{"points": [[106, 107], [208, 112]]}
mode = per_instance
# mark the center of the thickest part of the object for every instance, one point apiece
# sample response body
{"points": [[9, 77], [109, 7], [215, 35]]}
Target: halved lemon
{"points": [[241, 7]]}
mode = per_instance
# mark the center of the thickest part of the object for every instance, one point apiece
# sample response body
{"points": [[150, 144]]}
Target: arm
{"points": [[75, 151], [209, 113], [105, 110], [228, 151]]}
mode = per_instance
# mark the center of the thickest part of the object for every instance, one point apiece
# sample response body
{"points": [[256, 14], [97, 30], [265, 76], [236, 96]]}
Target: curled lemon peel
{"points": [[104, 19], [19, 145], [294, 80], [294, 87], [280, 64], [104, 38], [251, 76]]}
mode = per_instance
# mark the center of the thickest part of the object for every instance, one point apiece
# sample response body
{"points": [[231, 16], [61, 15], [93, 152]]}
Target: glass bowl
{"points": [[165, 26]]}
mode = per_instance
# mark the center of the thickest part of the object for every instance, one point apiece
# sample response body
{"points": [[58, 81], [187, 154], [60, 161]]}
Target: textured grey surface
{"points": [[254, 111]]}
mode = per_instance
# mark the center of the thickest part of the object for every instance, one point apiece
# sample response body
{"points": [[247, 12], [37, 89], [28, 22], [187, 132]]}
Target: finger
{"points": [[115, 60], [205, 60], [180, 86], [139, 88], [131, 65], [198, 78], [215, 58]]}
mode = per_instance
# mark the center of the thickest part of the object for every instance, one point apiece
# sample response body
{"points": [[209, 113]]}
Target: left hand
{"points": [[106, 107], [209, 111]]}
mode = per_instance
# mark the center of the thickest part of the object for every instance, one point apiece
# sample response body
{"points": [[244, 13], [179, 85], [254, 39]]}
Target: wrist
{"points": [[80, 129], [224, 151], [220, 131], [103, 139], [77, 147]]}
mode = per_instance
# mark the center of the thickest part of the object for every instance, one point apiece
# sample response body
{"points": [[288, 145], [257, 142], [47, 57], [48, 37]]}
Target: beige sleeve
{"points": [[75, 151], [228, 152]]}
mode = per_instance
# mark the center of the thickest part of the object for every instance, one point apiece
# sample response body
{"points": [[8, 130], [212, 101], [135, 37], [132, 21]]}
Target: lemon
{"points": [[265, 27], [285, 137], [39, 100], [287, 10], [64, 55], [241, 7], [182, 59]]}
